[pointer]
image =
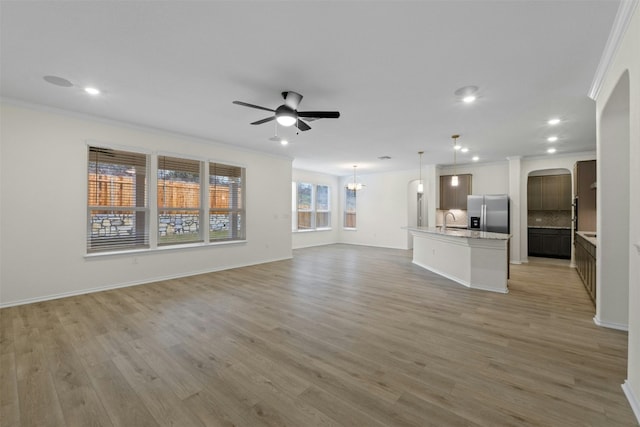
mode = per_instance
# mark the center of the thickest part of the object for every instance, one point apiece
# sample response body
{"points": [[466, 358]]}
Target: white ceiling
{"points": [[391, 69]]}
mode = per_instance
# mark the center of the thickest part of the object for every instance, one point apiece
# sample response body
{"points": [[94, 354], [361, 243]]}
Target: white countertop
{"points": [[555, 227], [470, 234], [589, 236]]}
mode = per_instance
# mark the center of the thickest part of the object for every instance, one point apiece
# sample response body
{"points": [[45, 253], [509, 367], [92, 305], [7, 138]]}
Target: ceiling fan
{"points": [[287, 114]]}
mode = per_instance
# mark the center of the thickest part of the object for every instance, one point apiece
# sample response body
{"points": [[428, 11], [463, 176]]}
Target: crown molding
{"points": [[620, 25]]}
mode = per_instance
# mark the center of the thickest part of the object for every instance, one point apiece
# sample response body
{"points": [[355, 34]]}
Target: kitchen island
{"points": [[475, 259]]}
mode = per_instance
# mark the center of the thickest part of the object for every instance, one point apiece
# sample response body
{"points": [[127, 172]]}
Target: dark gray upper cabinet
{"points": [[454, 197], [549, 193]]}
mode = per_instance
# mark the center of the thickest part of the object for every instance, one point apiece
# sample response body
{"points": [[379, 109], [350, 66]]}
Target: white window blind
{"points": [[226, 202], [179, 213], [117, 205]]}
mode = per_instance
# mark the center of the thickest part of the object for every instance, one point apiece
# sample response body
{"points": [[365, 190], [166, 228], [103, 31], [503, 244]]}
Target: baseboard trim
{"points": [[633, 400], [132, 283], [445, 275], [611, 325]]}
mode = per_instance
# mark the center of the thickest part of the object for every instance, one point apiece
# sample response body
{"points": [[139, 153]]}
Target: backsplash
{"points": [[461, 217], [549, 218]]}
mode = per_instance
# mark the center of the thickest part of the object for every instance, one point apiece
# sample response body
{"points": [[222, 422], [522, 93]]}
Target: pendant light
{"points": [[454, 178], [355, 185], [420, 184]]}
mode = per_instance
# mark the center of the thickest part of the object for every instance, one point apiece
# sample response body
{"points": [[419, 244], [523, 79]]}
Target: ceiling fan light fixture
{"points": [[286, 120]]}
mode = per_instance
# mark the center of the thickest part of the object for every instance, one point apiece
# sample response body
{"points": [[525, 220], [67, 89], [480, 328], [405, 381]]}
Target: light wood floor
{"points": [[340, 335]]}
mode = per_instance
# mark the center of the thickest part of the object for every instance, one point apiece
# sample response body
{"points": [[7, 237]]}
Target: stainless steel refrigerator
{"points": [[488, 213]]}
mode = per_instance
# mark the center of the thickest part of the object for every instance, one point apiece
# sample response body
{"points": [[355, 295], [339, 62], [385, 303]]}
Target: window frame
{"points": [[323, 211], [240, 211], [199, 211], [313, 207], [152, 209], [108, 247], [347, 212]]}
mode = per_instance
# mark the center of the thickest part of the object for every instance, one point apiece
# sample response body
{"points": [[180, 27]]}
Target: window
{"points": [[118, 211], [226, 202], [179, 215], [193, 196], [305, 206], [311, 206], [350, 209], [323, 212]]}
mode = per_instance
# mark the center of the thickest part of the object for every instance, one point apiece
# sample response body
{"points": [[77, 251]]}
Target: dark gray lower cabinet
{"points": [[586, 264], [550, 242]]}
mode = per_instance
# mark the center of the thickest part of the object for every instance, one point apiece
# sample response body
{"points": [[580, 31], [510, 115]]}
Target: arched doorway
{"points": [[549, 215]]}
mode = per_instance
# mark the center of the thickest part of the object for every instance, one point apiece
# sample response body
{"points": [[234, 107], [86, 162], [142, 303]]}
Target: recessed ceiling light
{"points": [[284, 142], [551, 150], [464, 150], [475, 158], [469, 99], [552, 139], [457, 147], [554, 121], [58, 81], [92, 90]]}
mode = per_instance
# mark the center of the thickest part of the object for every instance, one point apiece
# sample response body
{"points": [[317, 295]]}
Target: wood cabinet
{"points": [[549, 193], [565, 193], [585, 177], [534, 193], [586, 264], [550, 242], [454, 197]]}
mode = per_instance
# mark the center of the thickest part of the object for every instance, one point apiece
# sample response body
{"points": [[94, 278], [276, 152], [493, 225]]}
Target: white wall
{"points": [[627, 59], [44, 215], [613, 168], [381, 210], [304, 239]]}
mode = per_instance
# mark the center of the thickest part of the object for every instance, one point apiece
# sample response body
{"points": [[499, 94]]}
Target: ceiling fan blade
{"points": [[292, 99], [302, 125], [319, 114], [244, 104], [259, 122]]}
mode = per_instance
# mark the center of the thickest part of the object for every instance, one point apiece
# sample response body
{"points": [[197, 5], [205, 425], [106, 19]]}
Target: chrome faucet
{"points": [[445, 219]]}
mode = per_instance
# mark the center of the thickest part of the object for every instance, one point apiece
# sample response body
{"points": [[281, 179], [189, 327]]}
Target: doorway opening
{"points": [[549, 216]]}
